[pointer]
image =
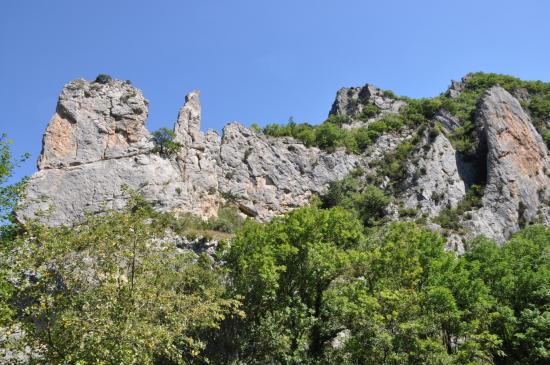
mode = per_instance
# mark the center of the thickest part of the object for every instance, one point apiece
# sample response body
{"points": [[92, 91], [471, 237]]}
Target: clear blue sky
{"points": [[255, 61]]}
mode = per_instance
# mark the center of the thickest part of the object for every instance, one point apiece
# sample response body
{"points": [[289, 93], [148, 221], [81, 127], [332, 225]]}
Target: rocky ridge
{"points": [[97, 142]]}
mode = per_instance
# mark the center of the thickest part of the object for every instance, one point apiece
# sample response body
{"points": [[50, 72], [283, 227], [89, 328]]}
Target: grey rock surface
{"points": [[456, 88], [95, 121], [267, 176], [97, 143], [434, 182], [350, 101], [518, 167], [448, 121]]}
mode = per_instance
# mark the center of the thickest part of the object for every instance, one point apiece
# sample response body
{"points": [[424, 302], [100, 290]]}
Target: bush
{"points": [[408, 212], [255, 127], [394, 163], [369, 111], [103, 79], [164, 142], [228, 220], [450, 218], [339, 191], [371, 205], [367, 201], [338, 120], [539, 107], [330, 135]]}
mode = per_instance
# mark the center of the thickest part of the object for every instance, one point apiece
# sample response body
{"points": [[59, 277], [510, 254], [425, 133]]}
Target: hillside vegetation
{"points": [[420, 113], [336, 282]]}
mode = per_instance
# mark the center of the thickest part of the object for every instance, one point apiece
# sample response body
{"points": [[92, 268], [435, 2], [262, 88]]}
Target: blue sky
{"points": [[255, 61]]}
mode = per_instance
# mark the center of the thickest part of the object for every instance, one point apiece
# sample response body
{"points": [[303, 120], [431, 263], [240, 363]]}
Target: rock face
{"points": [[434, 182], [267, 176], [95, 121], [96, 143], [350, 101], [518, 167]]}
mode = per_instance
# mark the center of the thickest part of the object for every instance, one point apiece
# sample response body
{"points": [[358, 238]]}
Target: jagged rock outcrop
{"points": [[518, 167], [350, 101], [197, 162], [266, 176], [95, 121], [433, 181], [96, 143]]}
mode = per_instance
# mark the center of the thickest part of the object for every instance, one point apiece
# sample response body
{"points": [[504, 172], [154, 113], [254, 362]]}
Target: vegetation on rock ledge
{"points": [[165, 145], [330, 135]]}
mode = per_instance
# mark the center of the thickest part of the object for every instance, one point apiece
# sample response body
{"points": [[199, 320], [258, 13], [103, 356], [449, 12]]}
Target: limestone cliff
{"points": [[518, 167], [96, 143]]}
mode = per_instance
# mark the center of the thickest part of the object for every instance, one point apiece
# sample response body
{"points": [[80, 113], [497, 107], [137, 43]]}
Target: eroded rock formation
{"points": [[96, 143], [518, 167]]}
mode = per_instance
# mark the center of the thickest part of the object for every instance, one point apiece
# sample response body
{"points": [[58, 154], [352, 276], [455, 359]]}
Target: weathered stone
{"points": [[187, 128], [96, 143], [433, 181], [93, 122], [96, 186], [350, 101], [448, 121], [456, 88], [517, 167], [267, 176]]}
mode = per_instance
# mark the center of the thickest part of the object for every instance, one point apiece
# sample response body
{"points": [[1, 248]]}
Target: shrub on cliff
{"points": [[164, 142]]}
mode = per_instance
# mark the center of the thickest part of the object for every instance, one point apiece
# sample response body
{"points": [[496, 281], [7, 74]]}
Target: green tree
{"points": [[9, 193], [282, 270], [407, 301], [518, 275], [9, 196], [113, 290], [368, 202], [164, 142], [329, 136], [316, 291]]}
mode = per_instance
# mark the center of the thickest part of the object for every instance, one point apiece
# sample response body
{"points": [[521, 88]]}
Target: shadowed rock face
{"points": [[96, 143], [517, 166]]}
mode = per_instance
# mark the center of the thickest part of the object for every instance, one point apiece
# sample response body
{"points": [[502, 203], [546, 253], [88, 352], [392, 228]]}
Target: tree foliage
{"points": [[518, 276], [317, 291], [367, 202], [9, 195], [165, 145], [113, 290]]}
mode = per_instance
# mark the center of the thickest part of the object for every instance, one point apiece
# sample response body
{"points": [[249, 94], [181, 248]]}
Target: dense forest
{"points": [[332, 283]]}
